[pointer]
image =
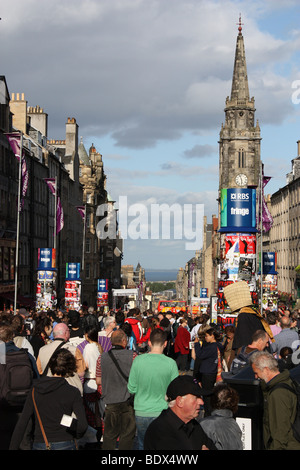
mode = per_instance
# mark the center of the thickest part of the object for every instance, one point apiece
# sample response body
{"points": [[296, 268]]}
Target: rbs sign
{"points": [[238, 210]]}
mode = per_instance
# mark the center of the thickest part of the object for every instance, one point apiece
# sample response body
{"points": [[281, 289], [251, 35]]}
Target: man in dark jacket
{"points": [[176, 427], [280, 404]]}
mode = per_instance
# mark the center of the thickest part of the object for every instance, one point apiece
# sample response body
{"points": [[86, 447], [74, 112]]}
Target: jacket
{"points": [[208, 356], [169, 432], [223, 430], [54, 398], [279, 414], [182, 340], [137, 329]]}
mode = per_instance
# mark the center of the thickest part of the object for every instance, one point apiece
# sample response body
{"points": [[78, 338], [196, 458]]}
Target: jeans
{"points": [[119, 422], [142, 423], [64, 445]]}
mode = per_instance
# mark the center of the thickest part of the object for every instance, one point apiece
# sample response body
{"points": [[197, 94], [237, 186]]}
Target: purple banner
{"points": [[267, 219], [51, 183], [14, 141], [81, 210]]}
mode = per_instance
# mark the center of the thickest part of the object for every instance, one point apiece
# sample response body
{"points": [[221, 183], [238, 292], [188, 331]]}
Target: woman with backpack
{"points": [[52, 403]]}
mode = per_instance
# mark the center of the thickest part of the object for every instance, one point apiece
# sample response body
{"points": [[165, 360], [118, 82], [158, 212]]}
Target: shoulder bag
{"points": [[48, 446]]}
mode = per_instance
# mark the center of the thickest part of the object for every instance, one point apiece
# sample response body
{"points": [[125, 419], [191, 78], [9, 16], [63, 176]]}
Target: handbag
{"points": [[48, 446], [219, 368], [131, 398]]}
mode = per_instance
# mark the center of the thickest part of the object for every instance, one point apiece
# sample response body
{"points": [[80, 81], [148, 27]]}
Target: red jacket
{"points": [[182, 340], [137, 329]]}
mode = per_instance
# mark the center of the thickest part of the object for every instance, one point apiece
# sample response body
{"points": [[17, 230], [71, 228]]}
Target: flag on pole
{"points": [[59, 216], [51, 183], [81, 210], [267, 219], [15, 141]]}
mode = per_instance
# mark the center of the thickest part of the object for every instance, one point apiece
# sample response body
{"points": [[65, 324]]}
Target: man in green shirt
{"points": [[149, 377]]}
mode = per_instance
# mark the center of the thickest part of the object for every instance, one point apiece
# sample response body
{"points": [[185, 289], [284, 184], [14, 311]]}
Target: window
{"points": [[88, 271], [242, 159]]}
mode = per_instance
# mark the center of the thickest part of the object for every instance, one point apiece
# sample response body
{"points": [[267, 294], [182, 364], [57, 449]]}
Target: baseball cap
{"points": [[185, 385]]}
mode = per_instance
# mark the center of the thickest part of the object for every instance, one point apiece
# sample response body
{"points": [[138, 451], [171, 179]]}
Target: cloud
{"points": [[136, 69], [201, 151]]}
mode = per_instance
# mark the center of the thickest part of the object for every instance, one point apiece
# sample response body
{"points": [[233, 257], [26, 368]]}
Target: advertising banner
{"points": [[102, 285], [269, 262], [238, 210], [72, 271], [203, 292], [46, 259], [73, 294]]}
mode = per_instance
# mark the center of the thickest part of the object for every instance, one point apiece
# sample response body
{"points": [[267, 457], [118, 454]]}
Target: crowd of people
{"points": [[145, 380]]}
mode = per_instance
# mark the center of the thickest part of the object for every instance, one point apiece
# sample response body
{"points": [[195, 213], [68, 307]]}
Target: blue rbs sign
{"points": [[238, 210], [73, 271]]}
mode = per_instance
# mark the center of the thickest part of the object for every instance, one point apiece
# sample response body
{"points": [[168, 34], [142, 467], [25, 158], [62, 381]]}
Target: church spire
{"points": [[239, 145], [240, 88]]}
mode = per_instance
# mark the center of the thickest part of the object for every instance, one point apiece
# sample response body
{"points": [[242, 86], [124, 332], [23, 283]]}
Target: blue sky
{"points": [[147, 82]]}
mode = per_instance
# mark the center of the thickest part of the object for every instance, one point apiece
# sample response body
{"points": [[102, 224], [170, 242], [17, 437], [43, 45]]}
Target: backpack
{"points": [[16, 377], [240, 361], [296, 390]]}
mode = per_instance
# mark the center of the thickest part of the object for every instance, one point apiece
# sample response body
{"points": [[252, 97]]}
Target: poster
{"points": [[237, 263]]}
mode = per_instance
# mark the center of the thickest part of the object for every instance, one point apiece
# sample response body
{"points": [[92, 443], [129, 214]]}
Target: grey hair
{"points": [[171, 403], [108, 320], [262, 359]]}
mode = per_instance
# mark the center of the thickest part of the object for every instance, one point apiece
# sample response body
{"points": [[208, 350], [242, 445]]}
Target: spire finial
{"points": [[240, 24]]}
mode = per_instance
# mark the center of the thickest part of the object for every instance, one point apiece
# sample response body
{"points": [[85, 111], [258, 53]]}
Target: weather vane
{"points": [[240, 24]]}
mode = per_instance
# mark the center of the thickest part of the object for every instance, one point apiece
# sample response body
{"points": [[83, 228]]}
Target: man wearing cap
{"points": [[176, 427]]}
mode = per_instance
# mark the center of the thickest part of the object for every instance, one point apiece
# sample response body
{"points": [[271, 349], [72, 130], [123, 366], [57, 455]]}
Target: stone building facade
{"points": [[45, 159], [8, 201], [284, 235]]}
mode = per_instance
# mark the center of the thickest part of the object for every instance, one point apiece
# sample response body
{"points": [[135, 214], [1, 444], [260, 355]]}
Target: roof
{"points": [[82, 153]]}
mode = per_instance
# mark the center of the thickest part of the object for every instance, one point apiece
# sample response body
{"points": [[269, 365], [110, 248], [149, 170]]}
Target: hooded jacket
{"points": [[137, 329], [54, 398]]}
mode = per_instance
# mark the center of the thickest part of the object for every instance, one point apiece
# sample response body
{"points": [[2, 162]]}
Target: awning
{"points": [[21, 300]]}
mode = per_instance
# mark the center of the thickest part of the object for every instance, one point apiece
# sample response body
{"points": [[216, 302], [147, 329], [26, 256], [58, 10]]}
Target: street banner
{"points": [[51, 183], [102, 285], [14, 140], [81, 210], [73, 271], [46, 259], [264, 214], [238, 210]]}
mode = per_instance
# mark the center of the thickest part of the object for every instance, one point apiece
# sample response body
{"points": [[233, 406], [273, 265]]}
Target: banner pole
{"points": [[261, 238], [83, 238], [18, 222]]}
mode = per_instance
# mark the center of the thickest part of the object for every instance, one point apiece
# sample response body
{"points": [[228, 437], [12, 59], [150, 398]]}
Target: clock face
{"points": [[241, 179]]}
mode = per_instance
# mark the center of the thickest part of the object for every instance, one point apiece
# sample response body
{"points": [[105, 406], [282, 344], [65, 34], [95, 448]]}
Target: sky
{"points": [[146, 81]]}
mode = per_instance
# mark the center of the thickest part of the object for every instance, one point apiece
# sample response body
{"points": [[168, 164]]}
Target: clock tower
{"points": [[239, 144]]}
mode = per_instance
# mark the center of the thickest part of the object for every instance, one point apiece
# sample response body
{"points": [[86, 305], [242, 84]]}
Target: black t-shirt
{"points": [[168, 432]]}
